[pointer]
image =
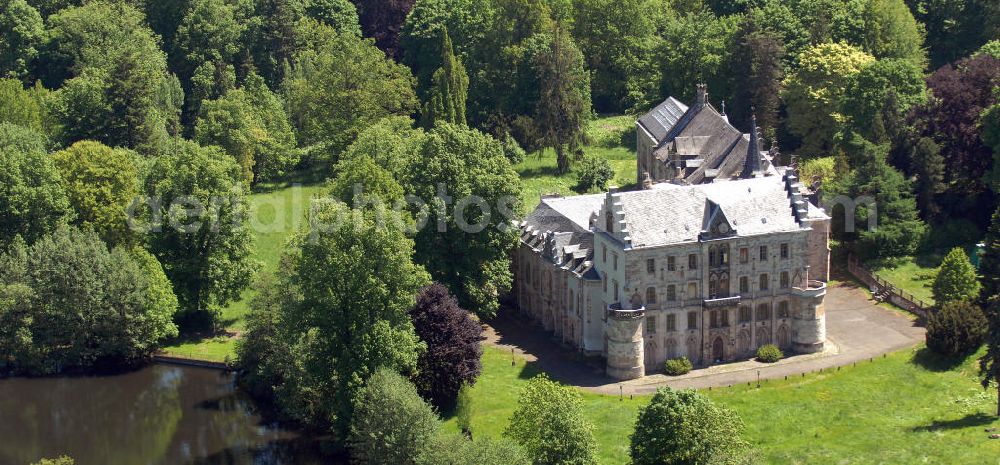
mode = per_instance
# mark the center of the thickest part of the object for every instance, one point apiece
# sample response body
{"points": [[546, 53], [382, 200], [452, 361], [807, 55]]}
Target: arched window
{"points": [[651, 295]]}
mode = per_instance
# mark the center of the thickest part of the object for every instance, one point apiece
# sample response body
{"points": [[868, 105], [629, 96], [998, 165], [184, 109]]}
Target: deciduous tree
{"points": [[814, 91], [101, 184], [685, 427], [961, 92], [466, 245], [342, 87], [251, 125], [199, 231], [453, 351], [22, 34], [383, 21], [336, 312], [115, 76], [391, 423], [549, 423], [32, 199], [83, 304]]}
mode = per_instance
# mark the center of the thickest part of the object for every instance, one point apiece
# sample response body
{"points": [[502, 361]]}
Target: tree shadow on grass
{"points": [[539, 171], [971, 420], [930, 360]]}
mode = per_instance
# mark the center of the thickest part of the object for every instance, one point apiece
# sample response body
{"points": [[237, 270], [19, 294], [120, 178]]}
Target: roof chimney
{"points": [[751, 165], [702, 94]]}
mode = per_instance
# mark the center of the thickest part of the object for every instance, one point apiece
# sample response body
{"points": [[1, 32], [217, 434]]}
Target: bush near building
{"points": [[769, 353], [678, 366]]}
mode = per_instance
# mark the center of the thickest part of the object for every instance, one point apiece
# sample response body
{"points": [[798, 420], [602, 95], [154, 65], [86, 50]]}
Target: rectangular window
{"points": [[651, 324], [604, 281], [725, 317], [763, 281], [614, 283], [671, 293], [763, 252], [745, 313], [784, 280], [614, 257], [713, 320], [651, 295], [744, 284], [763, 312], [784, 250], [783, 309], [692, 320], [671, 263], [693, 261], [604, 253], [650, 266], [671, 322], [744, 255]]}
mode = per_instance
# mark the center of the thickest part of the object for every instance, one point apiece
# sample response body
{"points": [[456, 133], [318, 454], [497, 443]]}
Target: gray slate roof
{"points": [[670, 213], [662, 118], [701, 131]]}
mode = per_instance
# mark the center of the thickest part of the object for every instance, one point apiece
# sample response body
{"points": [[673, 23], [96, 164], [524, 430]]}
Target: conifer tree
{"points": [[928, 165], [956, 280], [564, 100], [446, 98], [899, 229], [989, 364], [989, 264]]}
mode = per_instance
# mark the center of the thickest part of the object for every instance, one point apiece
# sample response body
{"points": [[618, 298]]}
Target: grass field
{"points": [[907, 408], [910, 276]]}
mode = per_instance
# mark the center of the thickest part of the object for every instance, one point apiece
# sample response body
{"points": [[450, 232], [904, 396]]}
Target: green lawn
{"points": [[538, 172], [910, 276], [276, 211], [916, 274], [906, 408]]}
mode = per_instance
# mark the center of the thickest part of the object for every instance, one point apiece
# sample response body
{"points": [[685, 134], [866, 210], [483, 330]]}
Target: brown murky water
{"points": [[158, 415]]}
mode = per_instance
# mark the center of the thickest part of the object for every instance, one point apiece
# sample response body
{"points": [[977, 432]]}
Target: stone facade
{"points": [[707, 271]]}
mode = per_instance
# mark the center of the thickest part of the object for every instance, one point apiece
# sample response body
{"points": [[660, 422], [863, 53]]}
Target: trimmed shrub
{"points": [[594, 174], [678, 366], [959, 327], [769, 353]]}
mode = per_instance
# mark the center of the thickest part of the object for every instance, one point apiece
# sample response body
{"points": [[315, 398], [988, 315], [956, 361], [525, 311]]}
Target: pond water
{"points": [[157, 415]]}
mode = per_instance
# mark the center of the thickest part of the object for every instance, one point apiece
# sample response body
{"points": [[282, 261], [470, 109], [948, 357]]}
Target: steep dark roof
{"points": [[661, 119], [751, 161]]}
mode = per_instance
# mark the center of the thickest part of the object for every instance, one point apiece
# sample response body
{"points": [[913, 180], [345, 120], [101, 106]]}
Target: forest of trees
{"points": [[103, 102]]}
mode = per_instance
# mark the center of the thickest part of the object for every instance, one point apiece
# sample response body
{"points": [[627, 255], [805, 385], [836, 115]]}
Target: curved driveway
{"points": [[857, 327]]}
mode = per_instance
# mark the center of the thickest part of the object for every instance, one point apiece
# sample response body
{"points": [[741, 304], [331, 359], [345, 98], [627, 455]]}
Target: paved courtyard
{"points": [[857, 330]]}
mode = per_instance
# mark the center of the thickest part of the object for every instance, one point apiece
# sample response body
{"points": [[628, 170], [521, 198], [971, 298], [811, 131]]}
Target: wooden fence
{"points": [[882, 289]]}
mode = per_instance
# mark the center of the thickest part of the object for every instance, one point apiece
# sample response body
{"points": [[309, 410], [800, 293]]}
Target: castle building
{"points": [[709, 271]]}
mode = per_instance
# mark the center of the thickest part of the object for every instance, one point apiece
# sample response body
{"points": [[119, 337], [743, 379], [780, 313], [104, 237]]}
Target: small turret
{"points": [[751, 165]]}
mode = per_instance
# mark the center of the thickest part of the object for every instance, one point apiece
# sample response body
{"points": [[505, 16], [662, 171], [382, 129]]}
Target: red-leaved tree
{"points": [[453, 351]]}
